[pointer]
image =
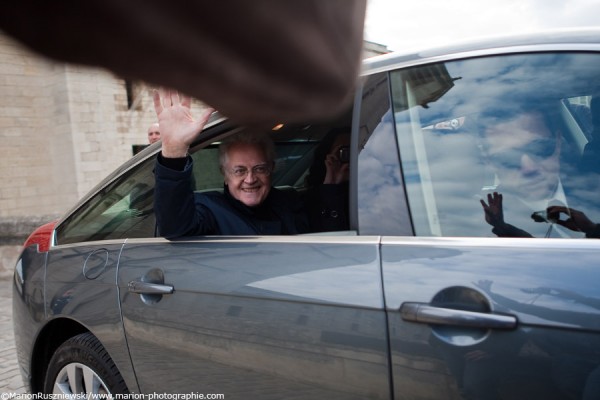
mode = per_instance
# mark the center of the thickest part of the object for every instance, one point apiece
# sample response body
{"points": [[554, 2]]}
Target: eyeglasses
{"points": [[242, 172], [539, 149]]}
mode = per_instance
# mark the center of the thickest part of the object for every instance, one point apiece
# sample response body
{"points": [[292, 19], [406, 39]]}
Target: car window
{"points": [[122, 209], [294, 155], [381, 199], [299, 164], [501, 146]]}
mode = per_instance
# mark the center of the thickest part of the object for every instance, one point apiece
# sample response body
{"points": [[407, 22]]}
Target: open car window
{"points": [[300, 151], [292, 164], [124, 208]]}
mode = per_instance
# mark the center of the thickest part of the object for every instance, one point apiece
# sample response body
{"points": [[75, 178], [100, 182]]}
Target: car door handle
{"points": [[149, 288], [427, 314]]}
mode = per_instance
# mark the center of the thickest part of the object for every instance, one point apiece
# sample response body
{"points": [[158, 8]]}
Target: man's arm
{"points": [[177, 213], [174, 206]]}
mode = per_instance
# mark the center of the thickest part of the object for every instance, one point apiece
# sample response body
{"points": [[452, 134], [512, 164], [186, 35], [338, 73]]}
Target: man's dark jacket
{"points": [[181, 212]]}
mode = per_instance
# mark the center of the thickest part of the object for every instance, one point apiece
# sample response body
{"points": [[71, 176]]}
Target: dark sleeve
{"points": [[177, 164], [329, 208], [508, 230], [177, 212], [594, 234]]}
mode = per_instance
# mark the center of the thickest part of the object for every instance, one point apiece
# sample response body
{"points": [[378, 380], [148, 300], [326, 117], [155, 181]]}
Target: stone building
{"points": [[63, 128]]}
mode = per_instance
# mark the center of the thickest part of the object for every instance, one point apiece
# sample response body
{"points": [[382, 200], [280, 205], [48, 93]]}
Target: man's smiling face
{"points": [[253, 187]]}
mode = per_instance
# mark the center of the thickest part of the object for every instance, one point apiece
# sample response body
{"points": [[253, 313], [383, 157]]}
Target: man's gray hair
{"points": [[257, 139]]}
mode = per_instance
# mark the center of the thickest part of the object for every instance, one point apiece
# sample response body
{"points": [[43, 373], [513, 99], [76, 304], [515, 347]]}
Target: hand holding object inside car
{"points": [[576, 221], [337, 165]]}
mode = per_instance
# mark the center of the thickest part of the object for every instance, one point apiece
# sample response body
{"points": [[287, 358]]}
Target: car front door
{"points": [[262, 317], [272, 317]]}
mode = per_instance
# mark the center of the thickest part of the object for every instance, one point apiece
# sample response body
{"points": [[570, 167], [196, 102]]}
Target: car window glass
{"points": [[122, 209], [381, 201], [515, 131]]}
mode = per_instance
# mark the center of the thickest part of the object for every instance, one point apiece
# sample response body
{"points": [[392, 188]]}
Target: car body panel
{"points": [[302, 315], [81, 286], [554, 346], [29, 313]]}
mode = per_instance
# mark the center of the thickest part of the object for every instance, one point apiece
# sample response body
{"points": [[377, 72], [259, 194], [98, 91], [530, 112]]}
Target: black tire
{"points": [[83, 355]]}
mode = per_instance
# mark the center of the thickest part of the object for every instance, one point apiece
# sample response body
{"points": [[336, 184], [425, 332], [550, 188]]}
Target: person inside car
{"points": [[327, 182], [524, 150], [248, 205]]}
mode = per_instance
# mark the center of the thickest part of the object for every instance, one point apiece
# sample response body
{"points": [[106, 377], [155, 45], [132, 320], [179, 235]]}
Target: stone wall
{"points": [[63, 128]]}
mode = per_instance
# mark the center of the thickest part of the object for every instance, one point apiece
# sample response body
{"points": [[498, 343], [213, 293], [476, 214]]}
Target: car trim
{"points": [[335, 238], [530, 243], [587, 39]]}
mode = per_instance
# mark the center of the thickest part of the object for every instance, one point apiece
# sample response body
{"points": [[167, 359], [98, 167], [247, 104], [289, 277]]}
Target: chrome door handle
{"points": [[426, 314], [149, 288]]}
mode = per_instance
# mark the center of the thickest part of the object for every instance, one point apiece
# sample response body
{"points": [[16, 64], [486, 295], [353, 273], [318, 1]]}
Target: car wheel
{"points": [[81, 365]]}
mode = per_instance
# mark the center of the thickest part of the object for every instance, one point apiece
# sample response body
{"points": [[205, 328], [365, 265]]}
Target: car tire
{"points": [[81, 365]]}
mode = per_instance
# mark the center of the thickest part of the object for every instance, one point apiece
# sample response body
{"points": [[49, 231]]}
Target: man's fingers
{"points": [[167, 98], [174, 94], [206, 114], [557, 209], [186, 101], [158, 108], [199, 124]]}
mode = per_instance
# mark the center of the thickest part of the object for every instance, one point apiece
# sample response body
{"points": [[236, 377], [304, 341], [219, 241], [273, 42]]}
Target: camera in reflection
{"points": [[344, 154]]}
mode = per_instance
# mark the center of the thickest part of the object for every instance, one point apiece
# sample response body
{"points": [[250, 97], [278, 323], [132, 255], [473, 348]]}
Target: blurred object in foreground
{"points": [[256, 61]]}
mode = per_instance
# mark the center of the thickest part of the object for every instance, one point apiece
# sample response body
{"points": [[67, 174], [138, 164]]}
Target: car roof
{"points": [[549, 40]]}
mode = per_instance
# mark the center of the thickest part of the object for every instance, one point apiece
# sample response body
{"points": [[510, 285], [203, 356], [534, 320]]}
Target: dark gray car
{"points": [[469, 269]]}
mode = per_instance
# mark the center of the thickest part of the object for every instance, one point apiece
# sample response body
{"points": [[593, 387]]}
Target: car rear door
{"points": [[471, 314], [491, 320]]}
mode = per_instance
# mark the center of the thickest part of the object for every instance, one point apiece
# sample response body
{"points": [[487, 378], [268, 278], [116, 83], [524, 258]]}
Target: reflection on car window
{"points": [[381, 201], [497, 146], [123, 209]]}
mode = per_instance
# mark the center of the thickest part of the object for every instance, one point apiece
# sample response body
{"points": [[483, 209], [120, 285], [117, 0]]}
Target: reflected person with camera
{"points": [[524, 150], [328, 182]]}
